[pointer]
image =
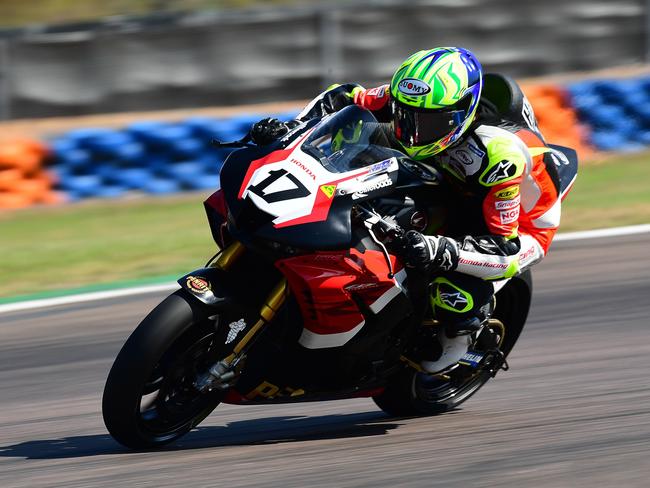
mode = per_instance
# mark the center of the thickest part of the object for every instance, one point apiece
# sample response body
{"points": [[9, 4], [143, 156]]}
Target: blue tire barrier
{"points": [[165, 136], [204, 181], [188, 148], [644, 137], [111, 191], [185, 173], [81, 136], [74, 159], [132, 178], [83, 186], [607, 140], [156, 162], [159, 186]]}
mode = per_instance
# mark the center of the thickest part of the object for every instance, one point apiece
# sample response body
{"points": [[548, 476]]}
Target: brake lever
{"points": [[393, 233], [243, 142]]}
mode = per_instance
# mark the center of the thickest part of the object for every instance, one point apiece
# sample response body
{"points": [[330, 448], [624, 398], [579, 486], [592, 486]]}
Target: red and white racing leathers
{"points": [[509, 173]]}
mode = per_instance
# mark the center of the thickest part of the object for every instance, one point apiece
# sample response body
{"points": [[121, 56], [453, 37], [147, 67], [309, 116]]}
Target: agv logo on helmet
{"points": [[413, 87]]}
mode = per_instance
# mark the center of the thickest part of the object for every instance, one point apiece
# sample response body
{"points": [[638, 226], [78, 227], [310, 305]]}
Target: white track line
{"points": [[611, 232], [142, 290], [86, 297]]}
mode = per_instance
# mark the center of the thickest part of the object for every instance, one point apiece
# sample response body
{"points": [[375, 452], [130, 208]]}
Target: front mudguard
{"points": [[210, 286]]}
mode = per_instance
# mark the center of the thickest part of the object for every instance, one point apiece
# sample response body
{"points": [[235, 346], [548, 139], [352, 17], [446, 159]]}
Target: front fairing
{"points": [[300, 191], [247, 222]]}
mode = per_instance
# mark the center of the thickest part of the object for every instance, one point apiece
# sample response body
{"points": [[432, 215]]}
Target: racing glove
{"points": [[433, 253], [269, 130]]}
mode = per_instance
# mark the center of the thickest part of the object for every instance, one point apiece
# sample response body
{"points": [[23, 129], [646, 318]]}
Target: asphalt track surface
{"points": [[573, 411]]}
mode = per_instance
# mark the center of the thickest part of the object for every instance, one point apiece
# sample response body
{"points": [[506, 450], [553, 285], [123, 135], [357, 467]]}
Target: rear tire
{"points": [[411, 393], [149, 399]]}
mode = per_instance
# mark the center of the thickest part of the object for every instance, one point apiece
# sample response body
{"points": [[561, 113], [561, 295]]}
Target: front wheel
{"points": [[149, 398]]}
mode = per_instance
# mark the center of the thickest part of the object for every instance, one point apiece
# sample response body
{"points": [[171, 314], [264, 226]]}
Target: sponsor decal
{"points": [[507, 204], [268, 390], [464, 157], [507, 193], [235, 328], [362, 286], [413, 87], [377, 91], [471, 358], [528, 115], [525, 256], [453, 300], [304, 167], [476, 150], [370, 187], [419, 220], [447, 262], [381, 166], [509, 216], [483, 264], [559, 158], [198, 285], [328, 190], [502, 171], [328, 257]]}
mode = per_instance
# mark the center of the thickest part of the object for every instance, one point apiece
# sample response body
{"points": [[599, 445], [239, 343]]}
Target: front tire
{"points": [[149, 399]]}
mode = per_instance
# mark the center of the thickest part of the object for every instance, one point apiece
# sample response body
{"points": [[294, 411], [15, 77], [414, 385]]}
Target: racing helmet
{"points": [[434, 99]]}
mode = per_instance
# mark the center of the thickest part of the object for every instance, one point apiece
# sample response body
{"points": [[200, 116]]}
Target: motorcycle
{"points": [[308, 300]]}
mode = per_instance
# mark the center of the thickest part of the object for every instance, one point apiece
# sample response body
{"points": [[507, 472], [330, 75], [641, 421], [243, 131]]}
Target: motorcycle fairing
{"points": [[296, 189], [331, 288]]}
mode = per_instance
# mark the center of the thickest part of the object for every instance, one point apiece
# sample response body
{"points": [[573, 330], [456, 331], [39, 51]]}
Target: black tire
{"points": [[157, 362], [411, 393]]}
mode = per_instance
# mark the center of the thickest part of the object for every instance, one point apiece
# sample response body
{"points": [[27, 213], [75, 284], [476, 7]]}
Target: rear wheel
{"points": [[412, 393], [149, 398]]}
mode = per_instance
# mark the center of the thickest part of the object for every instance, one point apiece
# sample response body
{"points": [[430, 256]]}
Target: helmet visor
{"points": [[417, 127]]}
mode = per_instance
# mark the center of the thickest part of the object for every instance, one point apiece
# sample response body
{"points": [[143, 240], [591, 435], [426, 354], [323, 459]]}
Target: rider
{"points": [[506, 205]]}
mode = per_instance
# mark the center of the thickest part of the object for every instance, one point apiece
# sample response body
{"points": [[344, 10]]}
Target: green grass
{"points": [[101, 242], [609, 194], [107, 241]]}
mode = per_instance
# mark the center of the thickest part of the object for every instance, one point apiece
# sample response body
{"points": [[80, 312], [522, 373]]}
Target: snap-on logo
{"points": [[413, 87]]}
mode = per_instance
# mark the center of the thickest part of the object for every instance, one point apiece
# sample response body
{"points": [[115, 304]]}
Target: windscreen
{"points": [[350, 139]]}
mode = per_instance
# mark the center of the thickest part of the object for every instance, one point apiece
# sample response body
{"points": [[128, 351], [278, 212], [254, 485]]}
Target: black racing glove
{"points": [[269, 130], [433, 253]]}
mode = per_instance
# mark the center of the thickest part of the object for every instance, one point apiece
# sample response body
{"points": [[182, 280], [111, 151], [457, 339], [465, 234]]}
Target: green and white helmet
{"points": [[434, 99]]}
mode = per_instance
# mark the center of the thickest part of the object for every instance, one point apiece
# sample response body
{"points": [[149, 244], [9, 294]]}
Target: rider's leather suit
{"points": [[507, 202]]}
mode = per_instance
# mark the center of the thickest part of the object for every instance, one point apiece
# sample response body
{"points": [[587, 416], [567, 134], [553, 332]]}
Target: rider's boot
{"points": [[454, 342]]}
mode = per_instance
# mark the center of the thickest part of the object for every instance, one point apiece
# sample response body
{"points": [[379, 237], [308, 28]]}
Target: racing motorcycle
{"points": [[308, 299]]}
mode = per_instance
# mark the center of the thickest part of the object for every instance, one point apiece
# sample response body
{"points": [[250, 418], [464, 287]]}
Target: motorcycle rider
{"points": [[506, 205]]}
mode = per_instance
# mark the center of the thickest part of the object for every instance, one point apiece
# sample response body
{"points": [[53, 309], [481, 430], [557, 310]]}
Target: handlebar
{"points": [[386, 234], [243, 142]]}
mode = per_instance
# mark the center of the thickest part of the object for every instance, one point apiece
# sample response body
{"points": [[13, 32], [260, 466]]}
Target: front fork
{"points": [[221, 374]]}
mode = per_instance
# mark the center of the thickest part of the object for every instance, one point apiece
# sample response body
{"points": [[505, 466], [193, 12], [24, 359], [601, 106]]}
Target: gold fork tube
{"points": [[228, 256], [273, 303]]}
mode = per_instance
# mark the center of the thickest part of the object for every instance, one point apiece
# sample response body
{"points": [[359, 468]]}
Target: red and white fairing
{"points": [[323, 285], [300, 170], [323, 282]]}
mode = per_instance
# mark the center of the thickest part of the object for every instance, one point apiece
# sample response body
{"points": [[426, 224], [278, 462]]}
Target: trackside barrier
{"points": [[24, 181], [150, 156], [163, 157]]}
